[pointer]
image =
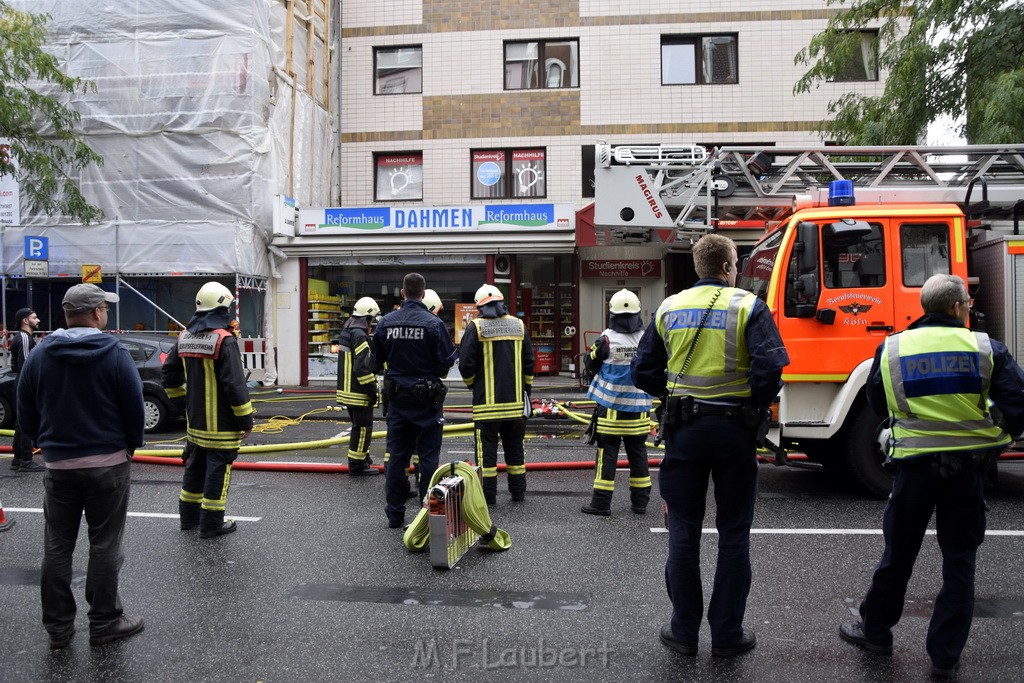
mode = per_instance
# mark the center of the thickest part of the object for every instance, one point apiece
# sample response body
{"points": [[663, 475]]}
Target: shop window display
{"points": [[347, 279]]}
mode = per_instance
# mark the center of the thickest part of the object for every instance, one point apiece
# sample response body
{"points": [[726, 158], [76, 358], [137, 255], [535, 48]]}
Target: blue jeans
{"points": [[718, 448], [102, 493], [959, 509], [412, 428]]}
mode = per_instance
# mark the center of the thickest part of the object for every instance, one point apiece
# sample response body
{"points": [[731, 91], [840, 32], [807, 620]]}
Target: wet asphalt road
{"points": [[317, 588]]}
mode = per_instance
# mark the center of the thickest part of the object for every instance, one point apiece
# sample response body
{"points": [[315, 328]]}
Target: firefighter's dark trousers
{"points": [[607, 461], [511, 433], [359, 438], [204, 488]]}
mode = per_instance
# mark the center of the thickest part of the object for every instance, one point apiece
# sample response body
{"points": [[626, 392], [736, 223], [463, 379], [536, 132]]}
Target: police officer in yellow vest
{"points": [[937, 381], [621, 413], [715, 352], [357, 383], [217, 407], [496, 363]]}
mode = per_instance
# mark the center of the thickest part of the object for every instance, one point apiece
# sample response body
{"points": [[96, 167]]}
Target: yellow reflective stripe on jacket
{"points": [[243, 409], [218, 441], [175, 392], [614, 425], [936, 382]]}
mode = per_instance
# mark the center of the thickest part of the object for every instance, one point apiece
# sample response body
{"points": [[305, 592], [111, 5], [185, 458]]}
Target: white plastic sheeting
{"points": [[193, 117]]}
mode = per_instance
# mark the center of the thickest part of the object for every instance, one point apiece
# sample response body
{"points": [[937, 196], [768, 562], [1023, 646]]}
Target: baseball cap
{"points": [[82, 298], [21, 314]]}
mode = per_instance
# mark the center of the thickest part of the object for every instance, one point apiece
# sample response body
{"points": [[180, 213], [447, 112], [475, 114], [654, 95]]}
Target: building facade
{"points": [[467, 132]]}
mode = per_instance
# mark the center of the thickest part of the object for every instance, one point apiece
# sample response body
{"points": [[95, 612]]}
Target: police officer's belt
{"points": [[700, 409]]}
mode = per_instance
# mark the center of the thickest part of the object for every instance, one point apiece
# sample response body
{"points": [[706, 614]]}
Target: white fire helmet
{"points": [[366, 306], [624, 301], [487, 294], [213, 295], [432, 301]]}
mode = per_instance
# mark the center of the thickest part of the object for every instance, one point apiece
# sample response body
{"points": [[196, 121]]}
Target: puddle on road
{"points": [[572, 602]]}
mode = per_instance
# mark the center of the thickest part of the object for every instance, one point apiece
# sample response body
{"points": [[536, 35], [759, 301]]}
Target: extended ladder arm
{"points": [[675, 186]]}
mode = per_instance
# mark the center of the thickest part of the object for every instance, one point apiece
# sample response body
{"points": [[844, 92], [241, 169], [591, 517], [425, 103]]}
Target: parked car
{"points": [[148, 351]]}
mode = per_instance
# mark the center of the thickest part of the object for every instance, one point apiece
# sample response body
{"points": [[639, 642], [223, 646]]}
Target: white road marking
{"points": [[159, 515], [838, 532]]}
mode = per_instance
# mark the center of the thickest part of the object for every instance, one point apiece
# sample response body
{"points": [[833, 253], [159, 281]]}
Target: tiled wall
{"points": [[620, 98]]}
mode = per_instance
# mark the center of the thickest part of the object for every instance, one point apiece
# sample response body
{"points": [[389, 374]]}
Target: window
{"points": [[699, 60], [506, 173], [853, 261], [398, 70], [542, 64], [925, 250], [859, 52], [399, 176]]}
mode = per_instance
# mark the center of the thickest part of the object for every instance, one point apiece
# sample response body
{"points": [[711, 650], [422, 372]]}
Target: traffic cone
{"points": [[5, 523]]}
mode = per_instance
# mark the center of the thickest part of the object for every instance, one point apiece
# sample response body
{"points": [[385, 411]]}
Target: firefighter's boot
{"points": [[490, 485], [212, 524], [600, 504], [188, 513], [517, 487], [362, 468], [639, 498]]}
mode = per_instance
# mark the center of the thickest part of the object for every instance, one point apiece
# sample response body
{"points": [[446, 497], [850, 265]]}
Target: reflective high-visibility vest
{"points": [[613, 387], [721, 359], [936, 386]]}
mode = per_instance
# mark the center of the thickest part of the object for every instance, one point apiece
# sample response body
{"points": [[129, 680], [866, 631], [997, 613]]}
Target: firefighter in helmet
{"points": [[432, 301], [217, 407], [496, 362], [357, 383], [622, 410]]}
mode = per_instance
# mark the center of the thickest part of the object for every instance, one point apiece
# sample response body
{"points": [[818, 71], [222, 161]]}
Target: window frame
{"points": [[379, 83], [507, 181], [542, 58], [378, 157], [697, 41]]}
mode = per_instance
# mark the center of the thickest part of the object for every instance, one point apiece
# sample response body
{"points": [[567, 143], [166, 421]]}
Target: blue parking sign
{"points": [[37, 248]]}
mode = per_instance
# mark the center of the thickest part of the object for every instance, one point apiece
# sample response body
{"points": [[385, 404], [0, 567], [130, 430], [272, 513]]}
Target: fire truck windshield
{"points": [[757, 267]]}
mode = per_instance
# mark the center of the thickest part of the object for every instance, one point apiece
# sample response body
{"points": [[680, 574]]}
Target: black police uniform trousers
{"points": [[721, 448], [957, 501], [102, 494], [511, 433], [412, 427], [204, 487]]}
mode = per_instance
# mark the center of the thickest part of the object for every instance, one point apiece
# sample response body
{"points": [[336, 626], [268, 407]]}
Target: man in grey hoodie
{"points": [[80, 401]]}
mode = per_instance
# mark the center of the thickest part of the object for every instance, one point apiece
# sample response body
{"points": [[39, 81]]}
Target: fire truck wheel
{"points": [[863, 457]]}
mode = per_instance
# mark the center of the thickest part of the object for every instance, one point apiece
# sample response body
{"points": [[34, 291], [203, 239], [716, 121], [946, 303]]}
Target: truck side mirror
{"points": [[802, 287], [807, 247], [826, 316]]}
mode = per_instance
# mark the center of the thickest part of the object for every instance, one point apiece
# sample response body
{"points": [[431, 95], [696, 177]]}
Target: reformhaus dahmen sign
{"points": [[344, 220]]}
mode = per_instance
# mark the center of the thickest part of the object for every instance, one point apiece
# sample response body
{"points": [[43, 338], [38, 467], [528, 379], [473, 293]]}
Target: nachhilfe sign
{"points": [[436, 219], [620, 268]]}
